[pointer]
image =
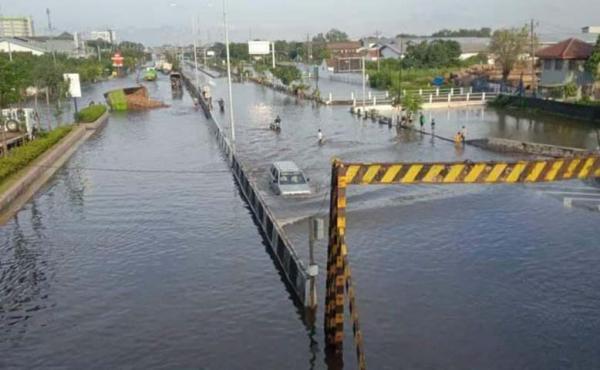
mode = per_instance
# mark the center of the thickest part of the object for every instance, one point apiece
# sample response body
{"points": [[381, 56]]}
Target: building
{"points": [[65, 43], [345, 56], [16, 45], [591, 29], [390, 51], [563, 63], [16, 27]]}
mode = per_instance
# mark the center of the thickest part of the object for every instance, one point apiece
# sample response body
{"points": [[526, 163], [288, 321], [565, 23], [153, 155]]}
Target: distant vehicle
{"points": [[287, 179], [175, 78], [150, 74]]}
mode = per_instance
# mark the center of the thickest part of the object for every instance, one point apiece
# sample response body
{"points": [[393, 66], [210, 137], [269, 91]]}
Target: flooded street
{"points": [[141, 253]]}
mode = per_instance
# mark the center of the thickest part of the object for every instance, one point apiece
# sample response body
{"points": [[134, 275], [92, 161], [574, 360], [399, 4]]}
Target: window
{"points": [[572, 65], [292, 178], [558, 64], [547, 63]]}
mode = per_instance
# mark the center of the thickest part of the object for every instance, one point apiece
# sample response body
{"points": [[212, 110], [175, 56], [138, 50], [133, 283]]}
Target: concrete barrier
{"points": [[571, 110], [526, 147], [42, 169], [281, 248]]}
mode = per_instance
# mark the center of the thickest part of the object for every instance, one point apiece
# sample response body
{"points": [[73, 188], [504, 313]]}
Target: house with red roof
{"points": [[563, 63]]}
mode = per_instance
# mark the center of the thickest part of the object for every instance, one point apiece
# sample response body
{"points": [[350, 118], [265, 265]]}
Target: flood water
{"points": [[140, 253]]}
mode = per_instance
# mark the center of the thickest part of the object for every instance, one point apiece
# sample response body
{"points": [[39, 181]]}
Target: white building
{"points": [[11, 45], [16, 27], [591, 29]]}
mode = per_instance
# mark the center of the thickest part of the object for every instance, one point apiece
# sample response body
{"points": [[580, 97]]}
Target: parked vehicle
{"points": [[286, 178]]}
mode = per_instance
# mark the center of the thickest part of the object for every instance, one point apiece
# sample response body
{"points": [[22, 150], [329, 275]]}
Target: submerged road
{"points": [[140, 252]]}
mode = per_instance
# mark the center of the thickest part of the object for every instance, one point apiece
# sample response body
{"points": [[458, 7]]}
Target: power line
{"points": [[129, 170]]}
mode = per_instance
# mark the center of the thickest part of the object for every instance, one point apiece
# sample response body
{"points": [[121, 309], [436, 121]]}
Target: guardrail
{"points": [[373, 100], [282, 251]]}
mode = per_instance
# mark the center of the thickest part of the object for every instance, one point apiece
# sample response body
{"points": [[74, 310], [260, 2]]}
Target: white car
{"points": [[287, 179]]}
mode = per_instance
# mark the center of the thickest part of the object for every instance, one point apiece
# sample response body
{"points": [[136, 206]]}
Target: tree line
{"points": [[45, 72]]}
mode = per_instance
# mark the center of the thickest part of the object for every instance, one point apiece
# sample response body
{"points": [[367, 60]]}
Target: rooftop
{"points": [[568, 49]]}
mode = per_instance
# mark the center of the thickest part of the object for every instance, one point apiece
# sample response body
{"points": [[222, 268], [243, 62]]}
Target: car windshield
{"points": [[291, 178]]}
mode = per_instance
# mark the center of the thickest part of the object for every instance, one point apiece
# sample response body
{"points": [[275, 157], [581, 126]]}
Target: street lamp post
{"points": [[231, 117]]}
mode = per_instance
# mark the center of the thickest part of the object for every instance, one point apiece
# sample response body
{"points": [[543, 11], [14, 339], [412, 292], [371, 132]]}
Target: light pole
{"points": [[194, 30], [231, 118], [364, 83]]}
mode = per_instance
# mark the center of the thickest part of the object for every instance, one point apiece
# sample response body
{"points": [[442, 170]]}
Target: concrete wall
{"points": [[526, 147], [577, 111], [553, 77]]}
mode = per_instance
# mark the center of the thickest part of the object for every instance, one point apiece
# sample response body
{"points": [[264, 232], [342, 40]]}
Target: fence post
{"points": [[352, 95], [449, 98], [354, 102], [482, 96], [374, 101], [462, 90], [420, 91], [437, 91], [330, 98], [404, 92], [369, 95], [470, 89], [468, 96], [387, 94], [430, 98]]}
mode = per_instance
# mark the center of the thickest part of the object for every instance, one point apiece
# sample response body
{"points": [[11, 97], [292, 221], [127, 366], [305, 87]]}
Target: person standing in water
{"points": [[320, 137], [432, 124], [422, 120]]}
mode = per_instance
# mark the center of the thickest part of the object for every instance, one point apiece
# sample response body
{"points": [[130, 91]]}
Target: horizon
{"points": [[170, 21]]}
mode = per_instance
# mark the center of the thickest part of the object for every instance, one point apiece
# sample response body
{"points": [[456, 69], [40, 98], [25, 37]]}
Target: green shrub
{"points": [[20, 157], [91, 113]]}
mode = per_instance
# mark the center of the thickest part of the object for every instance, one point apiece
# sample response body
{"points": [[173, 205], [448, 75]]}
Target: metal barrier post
{"points": [[430, 98], [468, 96], [449, 98], [437, 91], [482, 96]]}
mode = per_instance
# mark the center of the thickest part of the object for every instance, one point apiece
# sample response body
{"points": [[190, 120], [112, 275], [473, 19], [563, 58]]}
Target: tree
{"points": [[412, 103], [335, 35], [507, 45], [592, 65], [287, 74], [434, 54], [483, 32]]}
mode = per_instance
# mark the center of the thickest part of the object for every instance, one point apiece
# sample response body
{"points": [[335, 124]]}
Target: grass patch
{"points": [[91, 113], [20, 157]]}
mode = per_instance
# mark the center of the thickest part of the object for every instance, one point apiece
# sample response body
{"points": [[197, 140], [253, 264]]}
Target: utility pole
{"points": [[231, 119], [532, 51], [364, 83], [194, 29], [273, 53]]}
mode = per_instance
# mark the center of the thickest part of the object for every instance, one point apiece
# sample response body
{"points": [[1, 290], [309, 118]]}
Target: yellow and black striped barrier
{"points": [[470, 173], [339, 278]]}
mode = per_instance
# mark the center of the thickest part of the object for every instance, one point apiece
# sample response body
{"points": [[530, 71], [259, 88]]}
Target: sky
{"points": [[155, 22]]}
